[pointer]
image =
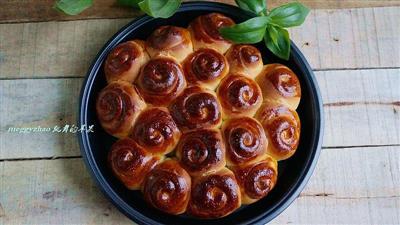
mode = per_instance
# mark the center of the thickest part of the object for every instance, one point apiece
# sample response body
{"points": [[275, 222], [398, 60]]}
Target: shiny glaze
{"points": [[206, 27], [201, 151], [285, 81], [161, 80], [243, 55], [215, 195], [130, 162], [156, 131], [167, 187], [245, 139], [166, 37], [196, 108], [121, 58]]}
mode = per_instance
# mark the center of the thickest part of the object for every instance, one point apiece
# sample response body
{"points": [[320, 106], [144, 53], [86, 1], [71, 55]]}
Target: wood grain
{"points": [[13, 11], [356, 103], [330, 39], [61, 191]]}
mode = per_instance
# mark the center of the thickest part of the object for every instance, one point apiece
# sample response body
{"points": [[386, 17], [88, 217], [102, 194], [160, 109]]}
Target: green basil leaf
{"points": [[160, 8], [132, 3], [257, 6], [249, 32], [73, 7], [289, 15], [277, 41]]}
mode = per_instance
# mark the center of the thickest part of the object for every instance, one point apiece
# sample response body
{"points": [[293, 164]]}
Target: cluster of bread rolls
{"points": [[201, 121]]}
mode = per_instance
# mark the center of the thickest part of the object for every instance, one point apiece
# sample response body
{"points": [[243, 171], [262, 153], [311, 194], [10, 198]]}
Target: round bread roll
{"points": [[167, 187], [239, 96], [279, 83], [201, 151], [214, 195], [161, 80], [245, 140], [256, 180], [244, 59], [205, 32], [282, 128], [206, 68], [125, 60], [170, 41], [118, 106], [131, 163], [156, 131], [196, 108]]}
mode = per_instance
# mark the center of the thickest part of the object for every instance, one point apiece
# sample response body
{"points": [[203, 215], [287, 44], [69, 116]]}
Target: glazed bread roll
{"points": [[201, 151], [170, 41], [156, 131], [167, 187], [239, 96], [125, 60], [196, 108], [131, 163], [256, 180], [282, 128], [214, 195], [205, 34], [245, 140], [279, 83], [244, 59], [206, 68], [161, 80], [117, 107]]}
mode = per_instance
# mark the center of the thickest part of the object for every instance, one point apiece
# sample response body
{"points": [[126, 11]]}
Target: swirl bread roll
{"points": [[205, 34], [156, 131], [130, 163], [196, 108], [167, 187], [245, 141], [279, 83], [282, 128], [160, 81], [244, 59], [206, 68], [214, 195], [118, 106], [256, 180], [239, 96], [170, 41], [201, 151], [125, 60]]}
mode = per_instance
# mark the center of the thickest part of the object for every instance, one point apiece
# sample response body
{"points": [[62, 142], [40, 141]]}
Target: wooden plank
{"points": [[61, 191], [356, 103], [330, 39], [22, 11]]}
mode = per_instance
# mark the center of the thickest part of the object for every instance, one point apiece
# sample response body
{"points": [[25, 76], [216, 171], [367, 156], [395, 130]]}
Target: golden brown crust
{"points": [[196, 108], [239, 96], [256, 180], [245, 140], [125, 60], [130, 163], [156, 131], [279, 83], [282, 127], [244, 59], [167, 187], [215, 195], [160, 81], [170, 41], [205, 67], [117, 107], [205, 32], [201, 151]]}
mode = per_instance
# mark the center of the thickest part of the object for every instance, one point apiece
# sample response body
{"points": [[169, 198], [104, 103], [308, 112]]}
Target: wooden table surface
{"points": [[353, 47]]}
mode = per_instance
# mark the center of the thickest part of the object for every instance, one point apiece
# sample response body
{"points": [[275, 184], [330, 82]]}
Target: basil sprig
{"points": [[272, 29], [153, 8]]}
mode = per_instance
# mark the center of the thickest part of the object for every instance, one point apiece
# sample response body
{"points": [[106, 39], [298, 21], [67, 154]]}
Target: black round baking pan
{"points": [[293, 173]]}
